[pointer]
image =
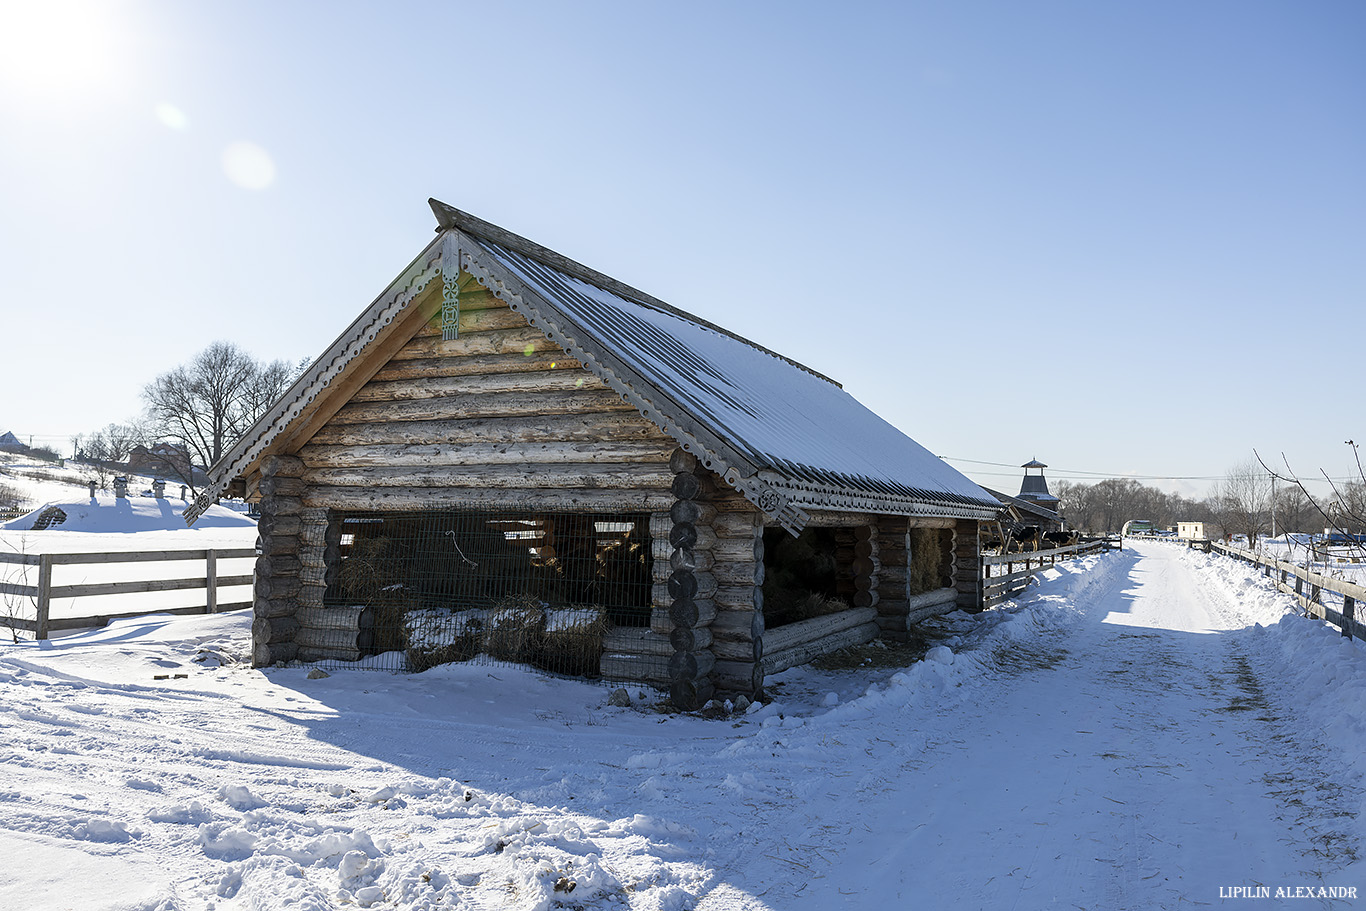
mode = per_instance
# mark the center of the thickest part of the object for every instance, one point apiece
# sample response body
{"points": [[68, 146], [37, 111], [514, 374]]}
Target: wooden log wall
{"points": [[499, 416], [858, 565], [966, 571], [278, 584], [893, 537], [797, 643], [324, 632], [738, 630], [692, 583]]}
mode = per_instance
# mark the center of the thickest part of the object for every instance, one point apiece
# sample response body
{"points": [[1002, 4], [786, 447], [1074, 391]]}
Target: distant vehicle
{"points": [[1339, 538]]}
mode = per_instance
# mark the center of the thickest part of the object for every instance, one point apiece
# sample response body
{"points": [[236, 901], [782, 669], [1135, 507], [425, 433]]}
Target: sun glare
{"points": [[248, 165], [52, 48]]}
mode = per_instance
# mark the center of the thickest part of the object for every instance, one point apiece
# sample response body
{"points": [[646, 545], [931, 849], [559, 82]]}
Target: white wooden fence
{"points": [[1003, 587], [32, 579]]}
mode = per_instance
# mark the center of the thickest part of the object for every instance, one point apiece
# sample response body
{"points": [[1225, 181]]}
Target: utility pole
{"points": [[1273, 506]]}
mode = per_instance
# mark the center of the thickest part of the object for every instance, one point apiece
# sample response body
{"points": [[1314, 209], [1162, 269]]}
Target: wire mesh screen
{"points": [[535, 588]]}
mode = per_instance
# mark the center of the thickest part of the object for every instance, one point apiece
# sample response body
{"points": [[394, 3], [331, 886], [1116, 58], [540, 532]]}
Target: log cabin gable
{"points": [[498, 411], [336, 389], [640, 353]]}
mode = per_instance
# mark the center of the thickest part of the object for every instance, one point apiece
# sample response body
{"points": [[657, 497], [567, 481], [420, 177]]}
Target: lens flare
{"points": [[248, 165], [172, 116]]}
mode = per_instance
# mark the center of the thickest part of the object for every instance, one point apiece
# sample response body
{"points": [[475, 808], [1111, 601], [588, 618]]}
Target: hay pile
{"points": [[519, 630], [930, 552], [441, 637], [572, 640], [516, 626]]}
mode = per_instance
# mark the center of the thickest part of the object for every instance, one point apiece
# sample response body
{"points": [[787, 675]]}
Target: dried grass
{"points": [[572, 640], [438, 637], [817, 605], [516, 627], [928, 559]]}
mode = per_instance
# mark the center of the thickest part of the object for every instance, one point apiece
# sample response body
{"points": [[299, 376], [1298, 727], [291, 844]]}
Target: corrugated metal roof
{"points": [[804, 432]]}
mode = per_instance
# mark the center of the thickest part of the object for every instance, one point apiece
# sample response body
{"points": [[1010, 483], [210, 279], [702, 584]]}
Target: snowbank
{"points": [[104, 514]]}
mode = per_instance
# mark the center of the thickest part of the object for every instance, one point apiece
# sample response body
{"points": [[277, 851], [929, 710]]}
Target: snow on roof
{"points": [[799, 428]]}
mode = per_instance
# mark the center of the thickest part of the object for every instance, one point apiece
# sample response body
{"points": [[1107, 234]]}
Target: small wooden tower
{"points": [[1034, 487]]}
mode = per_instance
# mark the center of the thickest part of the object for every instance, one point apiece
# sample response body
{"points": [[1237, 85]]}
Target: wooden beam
{"points": [[616, 426], [545, 453], [584, 476], [386, 499]]}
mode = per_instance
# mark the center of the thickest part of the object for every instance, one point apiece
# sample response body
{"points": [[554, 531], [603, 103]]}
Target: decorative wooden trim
{"points": [[450, 292]]}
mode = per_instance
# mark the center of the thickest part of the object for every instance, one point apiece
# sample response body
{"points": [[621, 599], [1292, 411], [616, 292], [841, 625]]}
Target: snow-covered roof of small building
{"points": [[1039, 510], [786, 437]]}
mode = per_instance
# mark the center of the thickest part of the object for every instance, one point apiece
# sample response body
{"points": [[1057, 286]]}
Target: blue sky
{"points": [[1123, 238]]}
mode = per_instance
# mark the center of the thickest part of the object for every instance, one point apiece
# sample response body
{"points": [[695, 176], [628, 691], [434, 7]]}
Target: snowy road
{"points": [[1131, 760], [1123, 738]]}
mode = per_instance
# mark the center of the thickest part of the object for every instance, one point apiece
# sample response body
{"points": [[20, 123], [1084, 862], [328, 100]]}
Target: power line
{"points": [[1062, 473]]}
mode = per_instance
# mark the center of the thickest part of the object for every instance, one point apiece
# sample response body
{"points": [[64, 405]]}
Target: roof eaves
{"points": [[922, 503]]}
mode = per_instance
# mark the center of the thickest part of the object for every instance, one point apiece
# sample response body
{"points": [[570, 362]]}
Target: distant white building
{"points": [[1190, 530]]}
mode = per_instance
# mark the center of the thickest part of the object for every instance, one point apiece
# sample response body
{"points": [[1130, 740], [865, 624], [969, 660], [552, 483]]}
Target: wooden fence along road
{"points": [[997, 589], [1313, 601], [43, 592]]}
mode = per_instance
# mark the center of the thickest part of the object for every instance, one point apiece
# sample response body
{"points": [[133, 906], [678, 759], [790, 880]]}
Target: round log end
{"points": [[682, 584], [683, 534]]}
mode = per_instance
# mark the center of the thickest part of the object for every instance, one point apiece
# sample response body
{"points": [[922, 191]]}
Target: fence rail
{"points": [[1282, 571], [996, 589], [43, 592]]}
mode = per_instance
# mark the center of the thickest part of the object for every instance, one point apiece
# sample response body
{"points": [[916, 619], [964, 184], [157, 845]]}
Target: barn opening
{"points": [[801, 576], [529, 587], [931, 560]]}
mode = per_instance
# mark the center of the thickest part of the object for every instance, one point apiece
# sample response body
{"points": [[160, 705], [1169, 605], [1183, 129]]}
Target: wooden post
{"points": [[866, 566], [278, 582], [967, 579], [689, 590], [893, 585], [1349, 609], [211, 581], [44, 604]]}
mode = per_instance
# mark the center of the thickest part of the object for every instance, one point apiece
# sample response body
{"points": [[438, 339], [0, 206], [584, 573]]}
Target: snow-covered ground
{"points": [[1342, 562], [38, 481], [1123, 737]]}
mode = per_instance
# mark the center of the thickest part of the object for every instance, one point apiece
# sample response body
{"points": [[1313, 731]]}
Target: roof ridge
{"points": [[448, 217]]}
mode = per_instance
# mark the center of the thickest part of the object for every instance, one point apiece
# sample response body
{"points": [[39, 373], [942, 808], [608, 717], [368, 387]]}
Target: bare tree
{"points": [[1245, 499], [1343, 514], [104, 451], [206, 404]]}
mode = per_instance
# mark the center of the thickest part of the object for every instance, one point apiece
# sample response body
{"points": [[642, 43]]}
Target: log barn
{"points": [[508, 453]]}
